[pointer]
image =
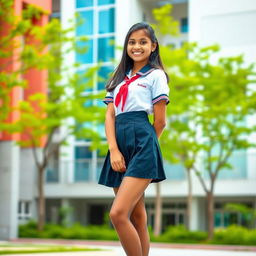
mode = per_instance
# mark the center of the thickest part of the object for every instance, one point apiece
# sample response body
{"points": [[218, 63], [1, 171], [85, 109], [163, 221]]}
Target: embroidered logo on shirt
{"points": [[142, 85]]}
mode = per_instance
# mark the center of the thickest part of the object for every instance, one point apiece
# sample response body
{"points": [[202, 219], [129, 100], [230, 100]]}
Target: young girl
{"points": [[138, 88]]}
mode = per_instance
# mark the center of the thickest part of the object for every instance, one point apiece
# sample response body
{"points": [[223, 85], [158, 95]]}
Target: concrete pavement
{"points": [[114, 249]]}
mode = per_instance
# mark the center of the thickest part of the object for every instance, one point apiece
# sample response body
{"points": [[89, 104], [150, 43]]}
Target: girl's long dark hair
{"points": [[126, 62]]}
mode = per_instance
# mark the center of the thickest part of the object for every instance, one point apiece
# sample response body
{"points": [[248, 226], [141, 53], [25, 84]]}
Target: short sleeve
{"points": [[160, 89], [108, 98]]}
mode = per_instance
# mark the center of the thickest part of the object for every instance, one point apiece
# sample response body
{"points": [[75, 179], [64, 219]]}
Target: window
{"points": [[238, 160], [224, 218], [83, 161], [52, 170], [85, 23], [103, 76], [174, 171], [98, 24], [106, 21], [24, 210], [84, 3], [87, 56], [99, 29], [184, 25], [105, 49], [103, 2]]}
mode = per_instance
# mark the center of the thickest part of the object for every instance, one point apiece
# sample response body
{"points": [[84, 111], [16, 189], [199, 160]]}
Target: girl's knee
{"points": [[117, 216], [139, 219]]}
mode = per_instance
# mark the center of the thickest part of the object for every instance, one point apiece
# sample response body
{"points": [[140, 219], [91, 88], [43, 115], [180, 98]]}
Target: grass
{"points": [[32, 248]]}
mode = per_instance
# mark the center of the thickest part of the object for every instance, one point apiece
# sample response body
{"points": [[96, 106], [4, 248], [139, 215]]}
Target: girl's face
{"points": [[140, 46]]}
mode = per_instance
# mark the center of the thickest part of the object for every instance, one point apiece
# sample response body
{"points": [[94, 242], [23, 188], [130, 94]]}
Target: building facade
{"points": [[74, 183], [107, 21]]}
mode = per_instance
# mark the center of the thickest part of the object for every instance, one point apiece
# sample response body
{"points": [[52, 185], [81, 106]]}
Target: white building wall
{"points": [[9, 189], [28, 175], [230, 24]]}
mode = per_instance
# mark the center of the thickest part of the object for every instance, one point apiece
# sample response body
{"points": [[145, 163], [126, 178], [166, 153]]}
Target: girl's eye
{"points": [[143, 42], [131, 42]]}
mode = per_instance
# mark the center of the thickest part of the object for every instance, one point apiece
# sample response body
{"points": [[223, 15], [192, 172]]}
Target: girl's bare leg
{"points": [[139, 221], [129, 194]]}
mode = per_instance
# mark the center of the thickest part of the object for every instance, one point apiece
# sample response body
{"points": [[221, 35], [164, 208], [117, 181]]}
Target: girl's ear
{"points": [[154, 47]]}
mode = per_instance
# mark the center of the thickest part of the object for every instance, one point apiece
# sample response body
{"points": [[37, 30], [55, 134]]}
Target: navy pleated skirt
{"points": [[138, 143]]}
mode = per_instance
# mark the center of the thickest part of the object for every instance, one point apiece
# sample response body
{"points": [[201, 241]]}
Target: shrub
{"points": [[174, 234], [29, 230], [235, 235], [74, 232], [179, 234]]}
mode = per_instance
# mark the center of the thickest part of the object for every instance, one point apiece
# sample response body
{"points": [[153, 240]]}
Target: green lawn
{"points": [[32, 248]]}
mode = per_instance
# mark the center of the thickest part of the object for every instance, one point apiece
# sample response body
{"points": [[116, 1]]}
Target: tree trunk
{"points": [[158, 211], [189, 199], [210, 214], [41, 200]]}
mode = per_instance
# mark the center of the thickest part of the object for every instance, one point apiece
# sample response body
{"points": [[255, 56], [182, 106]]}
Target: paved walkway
{"points": [[157, 249]]}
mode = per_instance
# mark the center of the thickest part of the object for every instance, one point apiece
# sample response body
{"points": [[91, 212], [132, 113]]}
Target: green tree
{"points": [[207, 119], [67, 107]]}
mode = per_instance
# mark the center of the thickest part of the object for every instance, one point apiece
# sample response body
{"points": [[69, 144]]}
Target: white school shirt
{"points": [[143, 93]]}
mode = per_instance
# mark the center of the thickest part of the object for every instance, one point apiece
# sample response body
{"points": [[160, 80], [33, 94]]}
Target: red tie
{"points": [[123, 91]]}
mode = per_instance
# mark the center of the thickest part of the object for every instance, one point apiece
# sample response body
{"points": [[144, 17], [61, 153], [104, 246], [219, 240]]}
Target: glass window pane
{"points": [[238, 160], [82, 168], [105, 49], [103, 2], [174, 171], [84, 23], [106, 21], [84, 3], [103, 76], [52, 175], [86, 57], [184, 25], [217, 219], [181, 218], [27, 207], [82, 153]]}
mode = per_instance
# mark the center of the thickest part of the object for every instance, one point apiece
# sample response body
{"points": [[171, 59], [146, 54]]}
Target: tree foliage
{"points": [[211, 100]]}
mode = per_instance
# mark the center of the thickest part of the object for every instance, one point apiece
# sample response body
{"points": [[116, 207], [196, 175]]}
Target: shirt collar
{"points": [[143, 71]]}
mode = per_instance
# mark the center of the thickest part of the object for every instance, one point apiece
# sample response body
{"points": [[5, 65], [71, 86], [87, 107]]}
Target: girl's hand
{"points": [[117, 161]]}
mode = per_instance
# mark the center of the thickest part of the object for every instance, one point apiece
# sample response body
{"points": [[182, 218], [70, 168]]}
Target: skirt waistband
{"points": [[132, 116]]}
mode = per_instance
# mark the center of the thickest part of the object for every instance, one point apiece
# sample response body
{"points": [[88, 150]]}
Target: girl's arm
{"points": [[159, 117], [116, 158]]}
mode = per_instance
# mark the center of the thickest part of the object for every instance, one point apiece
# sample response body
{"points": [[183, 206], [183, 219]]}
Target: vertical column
{"points": [[67, 159], [194, 225], [9, 189]]}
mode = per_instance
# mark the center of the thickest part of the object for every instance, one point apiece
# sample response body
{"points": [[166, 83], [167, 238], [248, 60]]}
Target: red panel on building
{"points": [[36, 79]]}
